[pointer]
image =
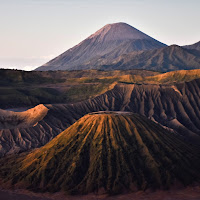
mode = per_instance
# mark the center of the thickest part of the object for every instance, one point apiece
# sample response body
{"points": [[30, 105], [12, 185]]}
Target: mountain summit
{"points": [[120, 38], [119, 31]]}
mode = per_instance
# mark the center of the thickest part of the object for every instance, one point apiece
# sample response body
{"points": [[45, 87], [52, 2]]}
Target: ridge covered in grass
{"points": [[28, 89]]}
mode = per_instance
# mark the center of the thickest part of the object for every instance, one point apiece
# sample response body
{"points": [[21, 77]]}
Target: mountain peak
{"points": [[119, 31], [174, 47], [118, 36]]}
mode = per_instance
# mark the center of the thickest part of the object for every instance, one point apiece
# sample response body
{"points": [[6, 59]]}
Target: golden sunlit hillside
{"points": [[106, 152]]}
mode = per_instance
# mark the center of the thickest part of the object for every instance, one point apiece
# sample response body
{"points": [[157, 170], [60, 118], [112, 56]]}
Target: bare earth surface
{"points": [[190, 193]]}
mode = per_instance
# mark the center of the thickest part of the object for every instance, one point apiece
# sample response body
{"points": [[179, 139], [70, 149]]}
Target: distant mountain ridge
{"points": [[120, 46], [193, 46], [163, 59], [119, 37]]}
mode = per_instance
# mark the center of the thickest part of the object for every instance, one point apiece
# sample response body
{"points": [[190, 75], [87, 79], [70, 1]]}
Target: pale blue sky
{"points": [[35, 31]]}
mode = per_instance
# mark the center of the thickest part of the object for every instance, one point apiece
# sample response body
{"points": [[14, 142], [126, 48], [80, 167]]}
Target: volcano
{"points": [[120, 38], [105, 152]]}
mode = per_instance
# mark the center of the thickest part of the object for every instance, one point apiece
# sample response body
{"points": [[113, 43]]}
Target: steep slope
{"points": [[175, 106], [193, 46], [163, 59], [104, 41], [106, 152], [22, 131]]}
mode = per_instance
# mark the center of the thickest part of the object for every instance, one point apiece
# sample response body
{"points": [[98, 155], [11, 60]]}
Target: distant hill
{"points": [[28, 89], [106, 152], [193, 46], [173, 77], [164, 59], [118, 38]]}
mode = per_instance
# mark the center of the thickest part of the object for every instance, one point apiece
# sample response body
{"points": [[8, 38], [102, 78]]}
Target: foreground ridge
{"points": [[106, 152]]}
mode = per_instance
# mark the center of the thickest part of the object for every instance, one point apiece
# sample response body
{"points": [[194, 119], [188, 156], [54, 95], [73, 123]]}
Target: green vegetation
{"points": [[20, 88], [83, 92], [13, 77], [175, 76], [113, 152], [16, 97]]}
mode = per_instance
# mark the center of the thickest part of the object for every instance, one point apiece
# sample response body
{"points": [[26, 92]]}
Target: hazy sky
{"points": [[34, 31]]}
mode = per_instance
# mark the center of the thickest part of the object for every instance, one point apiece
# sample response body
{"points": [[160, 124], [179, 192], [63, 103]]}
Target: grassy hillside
{"points": [[174, 77], [20, 88], [108, 152]]}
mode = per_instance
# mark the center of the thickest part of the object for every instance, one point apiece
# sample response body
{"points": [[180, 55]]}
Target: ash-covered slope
{"points": [[22, 131], [193, 46], [106, 152], [163, 59], [175, 106], [109, 38], [10, 119]]}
